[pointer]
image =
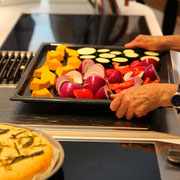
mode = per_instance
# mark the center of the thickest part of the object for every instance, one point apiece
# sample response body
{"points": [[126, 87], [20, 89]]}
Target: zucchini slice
{"points": [[120, 59], [103, 50], [152, 57], [88, 56], [116, 52], [102, 60], [129, 51], [132, 55], [151, 53], [86, 50], [107, 55]]}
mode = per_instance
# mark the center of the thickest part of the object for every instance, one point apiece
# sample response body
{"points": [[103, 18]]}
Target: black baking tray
{"points": [[23, 93]]}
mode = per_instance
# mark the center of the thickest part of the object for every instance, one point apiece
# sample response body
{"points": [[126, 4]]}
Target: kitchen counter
{"points": [[10, 14]]}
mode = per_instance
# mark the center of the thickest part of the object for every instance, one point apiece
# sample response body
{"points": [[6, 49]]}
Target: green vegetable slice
{"points": [[107, 55], [132, 55], [120, 59], [116, 52], [153, 57], [103, 50], [128, 51], [151, 53], [86, 50], [88, 56], [102, 60]]}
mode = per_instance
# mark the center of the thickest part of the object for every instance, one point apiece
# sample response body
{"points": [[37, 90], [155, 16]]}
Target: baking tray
{"points": [[23, 93]]}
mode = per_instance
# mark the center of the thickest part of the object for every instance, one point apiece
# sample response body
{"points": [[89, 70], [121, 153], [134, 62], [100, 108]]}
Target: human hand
{"points": [[153, 43], [139, 100]]}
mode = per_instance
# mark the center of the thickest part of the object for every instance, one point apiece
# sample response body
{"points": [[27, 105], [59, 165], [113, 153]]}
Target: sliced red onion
{"points": [[116, 77], [95, 69], [150, 72], [128, 75], [103, 93], [60, 80], [85, 64], [136, 80], [67, 88], [141, 74], [93, 83], [77, 77], [148, 61]]}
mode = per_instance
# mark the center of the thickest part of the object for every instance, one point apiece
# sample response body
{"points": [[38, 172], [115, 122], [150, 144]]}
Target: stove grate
{"points": [[13, 64]]}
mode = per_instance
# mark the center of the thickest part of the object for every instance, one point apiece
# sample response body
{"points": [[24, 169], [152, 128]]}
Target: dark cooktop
{"points": [[108, 161], [33, 29]]}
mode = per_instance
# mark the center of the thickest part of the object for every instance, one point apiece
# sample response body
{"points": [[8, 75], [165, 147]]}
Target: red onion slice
{"points": [[103, 93], [95, 69], [60, 80], [77, 77]]}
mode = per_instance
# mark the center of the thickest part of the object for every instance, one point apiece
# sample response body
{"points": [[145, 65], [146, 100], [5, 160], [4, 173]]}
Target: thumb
{"points": [[112, 96]]}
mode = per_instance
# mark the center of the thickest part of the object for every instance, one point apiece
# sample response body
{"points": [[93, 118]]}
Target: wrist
{"points": [[167, 91]]}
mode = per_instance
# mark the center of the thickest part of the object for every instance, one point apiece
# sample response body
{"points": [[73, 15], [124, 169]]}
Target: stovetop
{"points": [[33, 29], [106, 161]]}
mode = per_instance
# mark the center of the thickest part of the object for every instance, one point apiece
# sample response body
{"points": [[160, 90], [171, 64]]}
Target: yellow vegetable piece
{"points": [[74, 61], [53, 64], [61, 49], [37, 73], [41, 93], [48, 75], [59, 71], [67, 68], [72, 52], [54, 55], [37, 84]]}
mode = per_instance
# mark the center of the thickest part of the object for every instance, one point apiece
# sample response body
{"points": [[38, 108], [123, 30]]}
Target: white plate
{"points": [[53, 142]]}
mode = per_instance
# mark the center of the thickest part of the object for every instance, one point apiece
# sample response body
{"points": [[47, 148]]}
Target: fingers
{"points": [[116, 102], [123, 106]]}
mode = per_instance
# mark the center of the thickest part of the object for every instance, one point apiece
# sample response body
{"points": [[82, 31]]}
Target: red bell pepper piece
{"points": [[118, 91], [83, 93], [135, 63], [136, 72], [121, 86], [109, 72], [147, 81], [155, 81]]}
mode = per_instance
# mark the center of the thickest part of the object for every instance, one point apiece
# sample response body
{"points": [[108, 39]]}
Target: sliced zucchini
{"points": [[107, 55], [153, 57], [86, 50], [120, 59], [102, 60], [128, 51], [103, 50], [116, 52], [88, 56], [132, 55], [151, 53]]}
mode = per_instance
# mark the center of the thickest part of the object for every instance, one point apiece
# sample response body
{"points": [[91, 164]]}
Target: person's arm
{"points": [[156, 43], [139, 100]]}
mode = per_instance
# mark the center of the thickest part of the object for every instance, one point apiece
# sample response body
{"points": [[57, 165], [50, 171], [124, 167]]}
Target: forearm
{"points": [[167, 91], [171, 42]]}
